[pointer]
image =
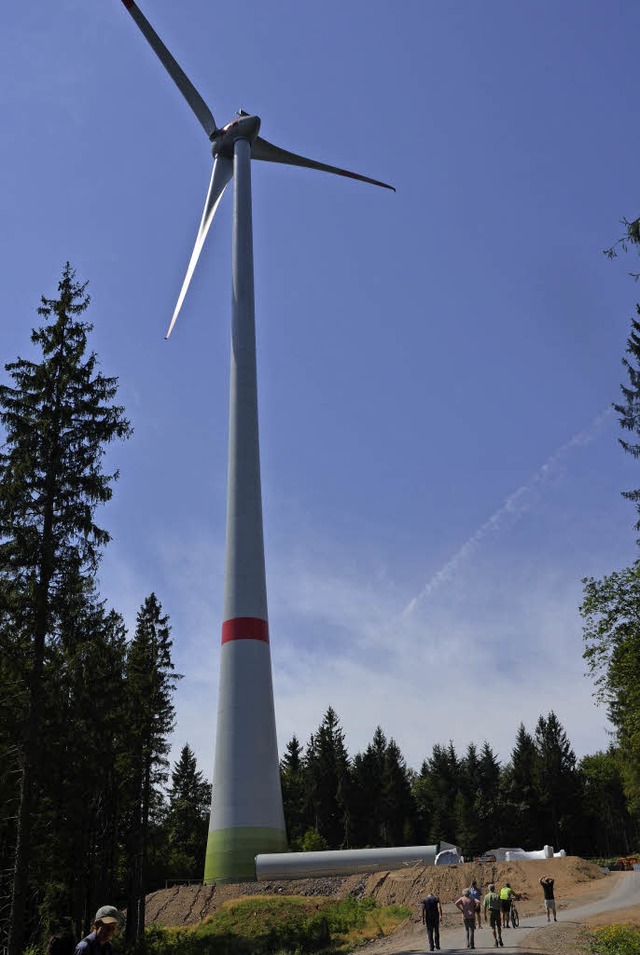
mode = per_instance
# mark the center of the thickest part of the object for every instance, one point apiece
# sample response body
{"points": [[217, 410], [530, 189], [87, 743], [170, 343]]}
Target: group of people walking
{"points": [[496, 907], [472, 905]]}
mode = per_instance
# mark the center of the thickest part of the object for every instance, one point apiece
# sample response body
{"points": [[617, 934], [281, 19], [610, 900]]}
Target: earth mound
{"points": [[189, 904]]}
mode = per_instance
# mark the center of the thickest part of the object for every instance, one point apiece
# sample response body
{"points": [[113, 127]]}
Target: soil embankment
{"points": [[576, 882]]}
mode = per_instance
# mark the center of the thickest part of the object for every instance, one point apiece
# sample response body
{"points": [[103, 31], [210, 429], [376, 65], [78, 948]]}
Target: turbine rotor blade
{"points": [[175, 71], [220, 177], [267, 152]]}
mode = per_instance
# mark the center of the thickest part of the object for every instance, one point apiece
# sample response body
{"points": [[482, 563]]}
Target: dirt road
{"points": [[618, 899]]}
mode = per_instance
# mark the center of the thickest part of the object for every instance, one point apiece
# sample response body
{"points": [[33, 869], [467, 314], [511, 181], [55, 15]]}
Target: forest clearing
{"points": [[587, 898]]}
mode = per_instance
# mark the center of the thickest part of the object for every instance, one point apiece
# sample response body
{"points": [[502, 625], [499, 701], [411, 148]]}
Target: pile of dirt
{"points": [[189, 904]]}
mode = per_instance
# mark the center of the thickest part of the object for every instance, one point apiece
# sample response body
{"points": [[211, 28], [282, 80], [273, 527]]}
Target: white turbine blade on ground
{"points": [[220, 177], [175, 71], [261, 149]]}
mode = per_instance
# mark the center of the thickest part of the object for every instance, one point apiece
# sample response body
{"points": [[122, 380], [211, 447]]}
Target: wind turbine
{"points": [[246, 810]]}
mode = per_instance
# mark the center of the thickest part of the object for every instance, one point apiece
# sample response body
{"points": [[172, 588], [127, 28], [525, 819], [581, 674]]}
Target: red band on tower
{"points": [[245, 628]]}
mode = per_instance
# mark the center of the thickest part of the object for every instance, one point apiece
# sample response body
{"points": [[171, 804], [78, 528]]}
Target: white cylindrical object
{"points": [[313, 865], [511, 855]]}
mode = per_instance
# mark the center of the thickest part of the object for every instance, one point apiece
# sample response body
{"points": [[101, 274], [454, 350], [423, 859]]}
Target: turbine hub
{"points": [[243, 127]]}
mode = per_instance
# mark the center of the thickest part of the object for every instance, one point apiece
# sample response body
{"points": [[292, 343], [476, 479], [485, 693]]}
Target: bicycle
{"points": [[515, 918]]}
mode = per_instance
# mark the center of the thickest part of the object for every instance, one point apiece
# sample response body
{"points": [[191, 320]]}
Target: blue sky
{"points": [[440, 468]]}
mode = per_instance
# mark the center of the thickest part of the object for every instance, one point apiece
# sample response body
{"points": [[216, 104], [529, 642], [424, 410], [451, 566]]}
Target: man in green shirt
{"points": [[491, 907]]}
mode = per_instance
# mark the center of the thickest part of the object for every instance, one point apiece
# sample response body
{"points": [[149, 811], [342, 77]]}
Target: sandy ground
{"points": [[585, 898]]}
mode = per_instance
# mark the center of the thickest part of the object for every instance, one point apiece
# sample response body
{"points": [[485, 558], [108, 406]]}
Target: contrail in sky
{"points": [[515, 505]]}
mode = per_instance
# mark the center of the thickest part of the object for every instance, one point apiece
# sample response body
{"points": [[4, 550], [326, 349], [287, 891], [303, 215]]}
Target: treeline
{"points": [[86, 708], [541, 795], [108, 819]]}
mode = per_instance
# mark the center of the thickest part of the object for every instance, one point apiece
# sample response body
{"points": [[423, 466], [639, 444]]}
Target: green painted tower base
{"points": [[231, 852]]}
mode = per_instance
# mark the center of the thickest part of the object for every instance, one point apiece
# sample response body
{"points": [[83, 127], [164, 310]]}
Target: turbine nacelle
{"points": [[243, 127]]}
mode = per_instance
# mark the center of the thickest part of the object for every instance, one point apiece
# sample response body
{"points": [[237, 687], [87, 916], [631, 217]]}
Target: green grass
{"points": [[615, 940], [274, 926]]}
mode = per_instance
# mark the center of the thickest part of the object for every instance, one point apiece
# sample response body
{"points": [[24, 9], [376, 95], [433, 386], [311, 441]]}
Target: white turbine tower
{"points": [[246, 808]]}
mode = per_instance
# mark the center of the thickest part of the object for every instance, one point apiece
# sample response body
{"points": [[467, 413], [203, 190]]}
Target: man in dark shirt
{"points": [[105, 926], [549, 899], [431, 915]]}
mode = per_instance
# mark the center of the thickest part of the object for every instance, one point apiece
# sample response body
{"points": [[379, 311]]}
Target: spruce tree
{"points": [[293, 793], [519, 793], [87, 742], [557, 781], [326, 770], [423, 796], [469, 803], [292, 759], [58, 417], [368, 776], [488, 804], [400, 819], [383, 807], [436, 789], [150, 683], [187, 817]]}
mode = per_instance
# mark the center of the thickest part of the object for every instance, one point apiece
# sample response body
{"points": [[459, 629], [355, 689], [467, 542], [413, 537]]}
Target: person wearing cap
{"points": [[105, 926]]}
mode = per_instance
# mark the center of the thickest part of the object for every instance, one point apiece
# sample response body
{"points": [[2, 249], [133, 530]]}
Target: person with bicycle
{"points": [[515, 917], [506, 893]]}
